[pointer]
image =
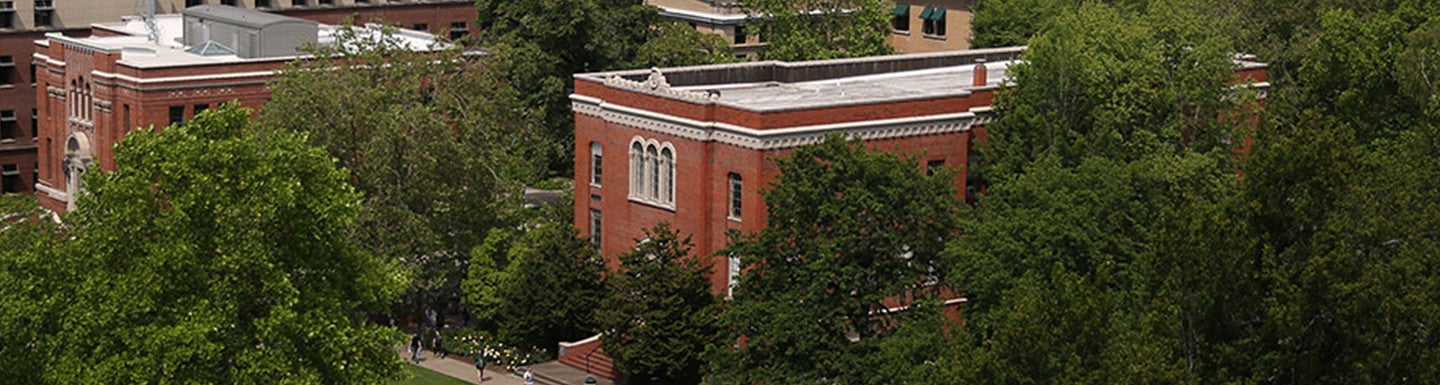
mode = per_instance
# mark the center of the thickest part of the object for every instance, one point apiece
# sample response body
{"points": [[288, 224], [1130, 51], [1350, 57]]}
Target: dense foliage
{"points": [[210, 254], [847, 229], [544, 42], [821, 29], [436, 146], [659, 315]]}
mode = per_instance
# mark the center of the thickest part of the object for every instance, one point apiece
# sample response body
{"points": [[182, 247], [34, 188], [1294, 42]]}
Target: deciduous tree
{"points": [[659, 316], [215, 255]]}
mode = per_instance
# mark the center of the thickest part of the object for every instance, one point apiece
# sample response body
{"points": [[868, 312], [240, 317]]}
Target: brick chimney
{"points": [[980, 73]]}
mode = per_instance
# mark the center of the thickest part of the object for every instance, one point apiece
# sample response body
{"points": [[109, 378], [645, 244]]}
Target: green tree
{"points": [[847, 229], [544, 42], [822, 29], [659, 316], [556, 285], [1004, 23], [34, 282], [436, 147], [216, 255]]}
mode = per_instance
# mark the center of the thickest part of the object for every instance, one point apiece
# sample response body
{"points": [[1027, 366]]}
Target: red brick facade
{"points": [[23, 150], [714, 136]]}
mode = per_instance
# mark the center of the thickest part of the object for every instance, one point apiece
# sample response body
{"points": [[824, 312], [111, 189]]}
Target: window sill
{"points": [[899, 32], [594, 185], [734, 219], [934, 37], [658, 205]]}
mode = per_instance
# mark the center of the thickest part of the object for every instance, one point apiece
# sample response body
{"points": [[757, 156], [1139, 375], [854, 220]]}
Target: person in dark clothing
{"points": [[480, 366], [415, 348], [436, 346]]}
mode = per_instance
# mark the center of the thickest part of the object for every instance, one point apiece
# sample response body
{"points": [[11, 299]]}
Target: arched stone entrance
{"points": [[78, 158]]}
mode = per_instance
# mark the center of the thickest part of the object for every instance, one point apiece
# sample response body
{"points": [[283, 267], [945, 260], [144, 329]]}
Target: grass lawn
{"points": [[422, 376]]}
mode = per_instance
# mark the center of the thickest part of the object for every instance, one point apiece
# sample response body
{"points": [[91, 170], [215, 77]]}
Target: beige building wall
{"points": [[915, 39]]}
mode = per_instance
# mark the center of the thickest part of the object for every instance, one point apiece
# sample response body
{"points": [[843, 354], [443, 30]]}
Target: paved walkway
{"points": [[461, 369]]}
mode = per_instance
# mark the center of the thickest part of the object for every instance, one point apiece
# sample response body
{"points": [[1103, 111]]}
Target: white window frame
{"points": [[596, 153], [735, 197], [652, 172]]}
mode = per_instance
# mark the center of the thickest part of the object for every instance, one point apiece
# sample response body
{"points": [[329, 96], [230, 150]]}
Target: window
{"points": [[297, 3], [262, 3], [595, 227], [327, 2], [192, 3], [34, 124], [228, 2], [934, 21], [900, 19], [667, 176], [177, 115], [7, 70], [201, 107], [43, 10], [736, 186], [740, 34], [421, 27], [32, 74], [734, 276], [9, 128], [362, 1], [128, 124], [934, 166], [11, 174], [7, 14], [458, 30], [595, 164], [652, 172]]}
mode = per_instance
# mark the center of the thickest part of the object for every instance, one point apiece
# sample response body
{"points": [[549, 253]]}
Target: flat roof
{"points": [[892, 86], [771, 86], [137, 51], [241, 16]]}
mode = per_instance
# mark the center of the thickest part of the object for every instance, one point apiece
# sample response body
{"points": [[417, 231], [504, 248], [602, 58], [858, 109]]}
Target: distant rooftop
{"points": [[240, 16], [137, 51]]}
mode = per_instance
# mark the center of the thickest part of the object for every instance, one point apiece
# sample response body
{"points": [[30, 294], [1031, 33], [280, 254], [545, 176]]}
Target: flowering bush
{"points": [[469, 342]]}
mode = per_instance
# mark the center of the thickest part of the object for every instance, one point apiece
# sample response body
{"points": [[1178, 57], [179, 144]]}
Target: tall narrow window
{"points": [[128, 124], [7, 14], [734, 276], [934, 166], [595, 227], [9, 127], [7, 70], [43, 10], [736, 186], [652, 161], [667, 177], [740, 35], [11, 174], [595, 164], [637, 170]]}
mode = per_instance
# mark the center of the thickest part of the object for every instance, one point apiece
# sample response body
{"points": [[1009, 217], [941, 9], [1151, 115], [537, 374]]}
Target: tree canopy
{"points": [[213, 254], [437, 148], [659, 315], [847, 229]]}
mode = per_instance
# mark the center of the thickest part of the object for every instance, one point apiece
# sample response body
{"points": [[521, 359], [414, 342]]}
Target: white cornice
{"points": [[711, 131]]}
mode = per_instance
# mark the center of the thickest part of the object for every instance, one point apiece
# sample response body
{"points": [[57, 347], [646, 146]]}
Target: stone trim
{"points": [[709, 131]]}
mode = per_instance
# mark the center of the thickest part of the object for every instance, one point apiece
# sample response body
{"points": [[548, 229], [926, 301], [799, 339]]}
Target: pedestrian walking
{"points": [[480, 366], [529, 377], [415, 348], [436, 346]]}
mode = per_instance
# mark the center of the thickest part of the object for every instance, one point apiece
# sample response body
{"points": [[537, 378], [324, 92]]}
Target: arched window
{"points": [[637, 170], [667, 176], [653, 171], [595, 163]]}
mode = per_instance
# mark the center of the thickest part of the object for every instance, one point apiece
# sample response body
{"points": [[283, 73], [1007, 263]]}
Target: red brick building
{"points": [[93, 90], [25, 21], [691, 145]]}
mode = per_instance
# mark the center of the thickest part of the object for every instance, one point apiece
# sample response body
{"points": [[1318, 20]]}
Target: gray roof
{"points": [[240, 16]]}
